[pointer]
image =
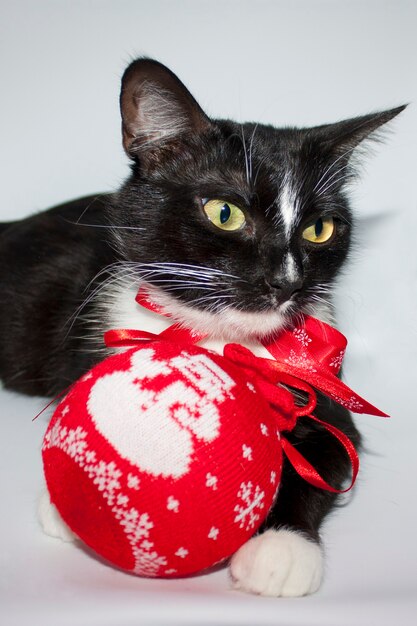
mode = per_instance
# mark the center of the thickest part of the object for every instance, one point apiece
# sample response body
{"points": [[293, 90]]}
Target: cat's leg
{"points": [[51, 521], [286, 558]]}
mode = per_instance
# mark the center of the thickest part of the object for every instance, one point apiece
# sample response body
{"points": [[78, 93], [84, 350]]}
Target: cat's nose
{"points": [[284, 287]]}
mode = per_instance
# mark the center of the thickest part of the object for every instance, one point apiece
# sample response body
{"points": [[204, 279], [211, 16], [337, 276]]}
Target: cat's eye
{"points": [[224, 215], [321, 231]]}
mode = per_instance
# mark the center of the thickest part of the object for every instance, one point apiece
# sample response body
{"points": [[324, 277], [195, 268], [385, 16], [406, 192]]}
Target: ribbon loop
{"points": [[314, 353], [308, 472]]}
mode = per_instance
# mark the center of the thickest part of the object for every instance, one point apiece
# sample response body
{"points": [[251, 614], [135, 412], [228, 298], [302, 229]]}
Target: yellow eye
{"points": [[321, 231], [224, 215]]}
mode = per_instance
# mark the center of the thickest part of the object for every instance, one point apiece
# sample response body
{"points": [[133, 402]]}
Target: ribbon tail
{"points": [[333, 387], [308, 472], [345, 396], [57, 397]]}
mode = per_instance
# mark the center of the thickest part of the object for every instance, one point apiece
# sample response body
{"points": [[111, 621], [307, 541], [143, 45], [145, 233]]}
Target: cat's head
{"points": [[238, 228]]}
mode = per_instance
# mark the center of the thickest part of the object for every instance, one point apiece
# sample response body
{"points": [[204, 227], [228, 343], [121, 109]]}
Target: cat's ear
{"points": [[343, 137], [156, 107]]}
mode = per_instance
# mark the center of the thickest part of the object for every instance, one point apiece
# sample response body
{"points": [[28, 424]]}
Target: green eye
{"points": [[224, 215], [321, 231]]}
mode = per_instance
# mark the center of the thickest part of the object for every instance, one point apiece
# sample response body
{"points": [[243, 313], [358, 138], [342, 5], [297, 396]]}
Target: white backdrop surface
{"points": [[301, 62]]}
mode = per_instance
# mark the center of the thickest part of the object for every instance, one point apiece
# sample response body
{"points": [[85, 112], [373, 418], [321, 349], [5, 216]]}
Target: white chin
{"points": [[229, 324]]}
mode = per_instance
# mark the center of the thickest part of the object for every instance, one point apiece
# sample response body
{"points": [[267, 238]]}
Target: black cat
{"points": [[238, 229]]}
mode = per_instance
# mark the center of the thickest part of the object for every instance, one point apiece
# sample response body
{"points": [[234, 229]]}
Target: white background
{"points": [[301, 62]]}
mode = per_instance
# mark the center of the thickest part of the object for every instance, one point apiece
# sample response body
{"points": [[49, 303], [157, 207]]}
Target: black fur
{"points": [[50, 263], [47, 262]]}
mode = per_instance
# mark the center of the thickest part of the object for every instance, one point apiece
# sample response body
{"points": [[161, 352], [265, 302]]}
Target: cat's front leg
{"points": [[286, 558], [51, 521]]}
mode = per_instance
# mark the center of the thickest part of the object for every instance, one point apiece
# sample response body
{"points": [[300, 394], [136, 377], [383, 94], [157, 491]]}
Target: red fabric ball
{"points": [[163, 459]]}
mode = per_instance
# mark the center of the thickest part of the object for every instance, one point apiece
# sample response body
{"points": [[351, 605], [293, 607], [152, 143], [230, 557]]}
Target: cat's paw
{"points": [[51, 521], [278, 563]]}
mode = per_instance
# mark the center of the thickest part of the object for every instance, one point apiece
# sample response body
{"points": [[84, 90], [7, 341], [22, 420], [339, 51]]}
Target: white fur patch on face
{"points": [[230, 324], [288, 207], [278, 563], [290, 267]]}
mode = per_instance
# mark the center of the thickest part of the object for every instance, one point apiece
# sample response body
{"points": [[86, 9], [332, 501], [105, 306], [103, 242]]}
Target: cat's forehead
{"points": [[276, 155], [276, 166]]}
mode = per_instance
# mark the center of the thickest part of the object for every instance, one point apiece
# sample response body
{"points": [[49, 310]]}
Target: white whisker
{"points": [[330, 185], [250, 149], [248, 178], [327, 170]]}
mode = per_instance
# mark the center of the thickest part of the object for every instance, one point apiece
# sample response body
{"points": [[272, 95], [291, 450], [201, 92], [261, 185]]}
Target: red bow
{"points": [[305, 356]]}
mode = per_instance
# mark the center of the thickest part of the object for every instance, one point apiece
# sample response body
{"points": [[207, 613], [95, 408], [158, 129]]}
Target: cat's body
{"points": [[48, 262], [238, 269]]}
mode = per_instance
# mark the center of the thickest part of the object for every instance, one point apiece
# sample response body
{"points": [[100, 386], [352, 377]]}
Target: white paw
{"points": [[51, 521], [278, 563]]}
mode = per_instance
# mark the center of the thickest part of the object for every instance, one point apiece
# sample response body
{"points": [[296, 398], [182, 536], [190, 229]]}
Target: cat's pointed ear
{"points": [[343, 137], [156, 107]]}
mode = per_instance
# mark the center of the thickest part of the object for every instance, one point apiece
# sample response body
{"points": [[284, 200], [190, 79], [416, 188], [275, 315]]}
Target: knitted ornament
{"points": [[165, 459]]}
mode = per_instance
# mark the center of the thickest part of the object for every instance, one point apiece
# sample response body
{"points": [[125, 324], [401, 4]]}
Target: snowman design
{"points": [[167, 414]]}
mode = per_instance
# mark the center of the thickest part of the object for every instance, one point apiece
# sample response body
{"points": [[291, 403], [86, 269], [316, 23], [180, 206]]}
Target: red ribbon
{"points": [[314, 352], [305, 356]]}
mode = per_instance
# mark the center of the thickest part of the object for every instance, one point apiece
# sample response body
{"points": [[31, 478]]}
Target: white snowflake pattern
{"points": [[133, 482], [137, 525], [301, 335], [264, 430], [173, 504], [336, 361], [251, 387], [211, 481], [214, 533], [148, 563], [76, 444], [300, 360], [90, 456], [106, 476], [253, 502], [70, 440], [273, 477], [55, 437], [122, 500], [247, 452], [351, 403], [182, 553]]}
